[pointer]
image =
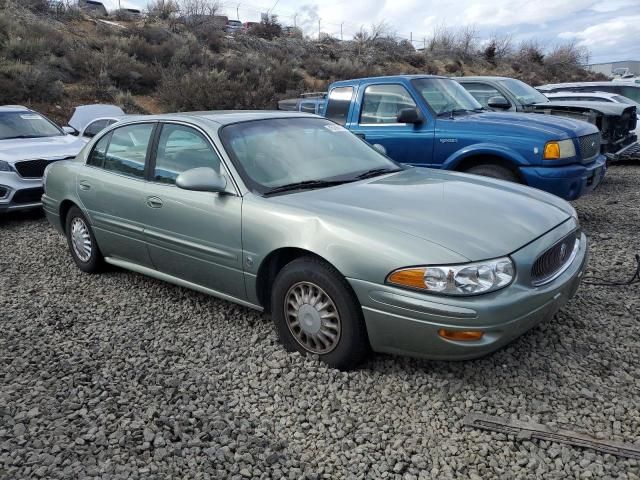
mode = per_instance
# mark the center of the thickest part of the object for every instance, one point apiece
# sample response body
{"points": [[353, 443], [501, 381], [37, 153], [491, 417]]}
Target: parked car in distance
{"points": [[615, 122], [234, 26], [291, 214], [29, 142], [85, 119], [433, 122]]}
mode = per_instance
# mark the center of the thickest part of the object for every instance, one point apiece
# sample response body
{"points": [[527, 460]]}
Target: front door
{"points": [[195, 236], [377, 124], [111, 187]]}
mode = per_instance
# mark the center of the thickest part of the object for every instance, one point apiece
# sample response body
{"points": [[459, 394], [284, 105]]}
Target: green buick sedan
{"points": [[291, 214]]}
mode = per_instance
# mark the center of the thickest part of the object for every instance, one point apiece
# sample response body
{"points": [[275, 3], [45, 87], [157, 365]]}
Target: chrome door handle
{"points": [[154, 202], [85, 185]]}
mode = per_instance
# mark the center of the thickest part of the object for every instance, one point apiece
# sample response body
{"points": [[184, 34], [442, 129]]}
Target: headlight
{"points": [[561, 149], [467, 279], [4, 166]]}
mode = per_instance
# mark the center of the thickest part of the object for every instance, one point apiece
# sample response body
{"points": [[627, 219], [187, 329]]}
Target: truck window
{"points": [[308, 107], [482, 92], [382, 103], [338, 104]]}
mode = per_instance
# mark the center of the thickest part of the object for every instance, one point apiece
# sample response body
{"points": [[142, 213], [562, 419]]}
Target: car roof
{"points": [[583, 94], [226, 117], [483, 77], [587, 84], [390, 78], [14, 108]]}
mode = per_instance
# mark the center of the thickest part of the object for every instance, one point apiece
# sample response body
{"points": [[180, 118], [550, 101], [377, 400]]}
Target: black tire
{"points": [[352, 344], [494, 171], [94, 262]]}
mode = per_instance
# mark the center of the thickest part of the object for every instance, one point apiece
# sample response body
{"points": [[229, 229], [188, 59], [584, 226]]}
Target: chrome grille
{"points": [[589, 146], [552, 262]]}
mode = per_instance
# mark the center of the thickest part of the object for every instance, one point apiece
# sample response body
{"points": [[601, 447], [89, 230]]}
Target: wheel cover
{"points": [[312, 318], [80, 239]]}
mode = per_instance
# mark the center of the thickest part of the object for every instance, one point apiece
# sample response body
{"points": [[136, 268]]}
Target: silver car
{"points": [[29, 142], [292, 214]]}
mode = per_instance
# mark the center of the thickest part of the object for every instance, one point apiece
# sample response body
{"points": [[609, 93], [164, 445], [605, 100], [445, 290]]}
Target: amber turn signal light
{"points": [[551, 151], [461, 335], [410, 277]]}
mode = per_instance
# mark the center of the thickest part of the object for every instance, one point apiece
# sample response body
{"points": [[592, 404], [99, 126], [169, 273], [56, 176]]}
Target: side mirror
{"points": [[379, 148], [202, 179], [498, 102], [409, 115], [70, 130]]}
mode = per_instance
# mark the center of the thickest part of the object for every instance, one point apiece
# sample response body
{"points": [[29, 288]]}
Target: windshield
{"points": [[445, 96], [525, 94], [26, 124], [273, 153]]}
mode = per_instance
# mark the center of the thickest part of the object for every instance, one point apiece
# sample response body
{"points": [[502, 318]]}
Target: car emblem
{"points": [[593, 144]]}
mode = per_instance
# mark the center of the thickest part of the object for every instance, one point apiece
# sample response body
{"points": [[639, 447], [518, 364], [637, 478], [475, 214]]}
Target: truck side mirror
{"points": [[498, 102], [409, 115]]}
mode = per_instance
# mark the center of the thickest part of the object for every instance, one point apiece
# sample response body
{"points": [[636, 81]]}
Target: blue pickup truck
{"points": [[431, 121]]}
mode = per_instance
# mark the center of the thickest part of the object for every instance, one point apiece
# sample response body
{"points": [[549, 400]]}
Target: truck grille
{"points": [[589, 146], [555, 260], [34, 168], [28, 195]]}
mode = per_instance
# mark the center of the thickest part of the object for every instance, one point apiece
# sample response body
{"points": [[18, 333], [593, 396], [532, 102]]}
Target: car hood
{"points": [[606, 108], [551, 127], [85, 114], [475, 217], [62, 146]]}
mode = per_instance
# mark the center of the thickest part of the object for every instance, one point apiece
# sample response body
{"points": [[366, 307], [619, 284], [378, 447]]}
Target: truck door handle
{"points": [[85, 185], [154, 202]]}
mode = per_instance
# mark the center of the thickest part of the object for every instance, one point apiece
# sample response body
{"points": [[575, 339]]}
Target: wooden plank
{"points": [[528, 430]]}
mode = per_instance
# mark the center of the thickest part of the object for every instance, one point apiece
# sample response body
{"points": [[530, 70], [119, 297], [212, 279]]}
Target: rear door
{"points": [[195, 236], [376, 122], [112, 187]]}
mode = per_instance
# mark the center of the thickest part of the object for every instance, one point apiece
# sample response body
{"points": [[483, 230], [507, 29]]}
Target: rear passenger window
{"points": [[382, 103], [338, 104], [182, 148], [97, 155], [128, 149]]}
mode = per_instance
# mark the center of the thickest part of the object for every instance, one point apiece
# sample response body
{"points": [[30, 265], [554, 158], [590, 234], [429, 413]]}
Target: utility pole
{"points": [[341, 39], [424, 43], [238, 12], [318, 29], [411, 38], [295, 15]]}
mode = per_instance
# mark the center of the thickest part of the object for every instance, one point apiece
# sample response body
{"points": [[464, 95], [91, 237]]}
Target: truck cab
{"points": [[431, 121]]}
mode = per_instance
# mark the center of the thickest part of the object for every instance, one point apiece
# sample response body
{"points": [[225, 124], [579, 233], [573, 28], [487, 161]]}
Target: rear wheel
{"points": [[494, 171], [315, 311], [82, 243]]}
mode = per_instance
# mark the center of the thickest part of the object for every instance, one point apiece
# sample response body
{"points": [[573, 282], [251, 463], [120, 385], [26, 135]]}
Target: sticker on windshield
{"points": [[335, 128], [30, 116]]}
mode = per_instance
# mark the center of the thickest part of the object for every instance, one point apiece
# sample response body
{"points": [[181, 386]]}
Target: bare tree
{"points": [[199, 8]]}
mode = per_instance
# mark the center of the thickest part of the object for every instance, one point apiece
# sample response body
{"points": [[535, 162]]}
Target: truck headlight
{"points": [[459, 280], [559, 149], [4, 166]]}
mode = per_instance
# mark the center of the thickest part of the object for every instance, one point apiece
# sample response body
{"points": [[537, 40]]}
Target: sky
{"points": [[610, 29]]}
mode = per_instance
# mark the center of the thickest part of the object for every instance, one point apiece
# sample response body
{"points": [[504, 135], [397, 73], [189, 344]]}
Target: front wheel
{"points": [[494, 171], [82, 243], [315, 311]]}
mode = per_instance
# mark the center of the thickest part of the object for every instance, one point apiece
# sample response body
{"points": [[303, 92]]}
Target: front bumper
{"points": [[404, 322], [17, 193], [567, 181]]}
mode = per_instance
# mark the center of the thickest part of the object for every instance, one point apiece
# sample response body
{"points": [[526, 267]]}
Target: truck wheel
{"points": [[82, 243], [315, 311], [494, 171]]}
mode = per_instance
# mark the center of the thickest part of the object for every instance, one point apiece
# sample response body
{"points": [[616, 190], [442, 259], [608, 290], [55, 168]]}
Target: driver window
{"points": [[382, 103], [182, 148], [481, 92]]}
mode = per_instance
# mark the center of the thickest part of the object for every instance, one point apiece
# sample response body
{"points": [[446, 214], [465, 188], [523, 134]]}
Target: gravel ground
{"points": [[121, 376]]}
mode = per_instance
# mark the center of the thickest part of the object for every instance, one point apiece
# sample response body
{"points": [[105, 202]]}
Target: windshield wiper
{"points": [[306, 184], [374, 172]]}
